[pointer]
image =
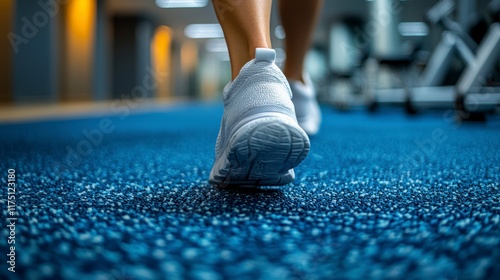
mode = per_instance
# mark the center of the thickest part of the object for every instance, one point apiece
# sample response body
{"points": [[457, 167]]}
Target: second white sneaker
{"points": [[260, 141], [306, 105]]}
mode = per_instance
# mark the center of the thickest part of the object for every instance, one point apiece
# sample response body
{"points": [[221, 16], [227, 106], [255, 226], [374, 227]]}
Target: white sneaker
{"points": [[306, 105], [259, 140]]}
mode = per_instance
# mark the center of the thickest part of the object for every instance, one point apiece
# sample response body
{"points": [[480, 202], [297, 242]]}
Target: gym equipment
{"points": [[475, 94], [428, 91]]}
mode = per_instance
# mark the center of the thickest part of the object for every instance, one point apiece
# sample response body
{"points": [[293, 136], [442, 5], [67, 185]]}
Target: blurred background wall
{"points": [[6, 13], [56, 51]]}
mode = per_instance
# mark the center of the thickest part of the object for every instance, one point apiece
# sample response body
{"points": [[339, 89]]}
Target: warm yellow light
{"points": [[79, 37], [161, 59], [189, 56], [81, 19]]}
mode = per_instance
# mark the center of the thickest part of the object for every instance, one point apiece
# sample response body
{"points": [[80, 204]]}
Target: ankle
{"points": [[237, 62], [293, 73], [295, 77]]}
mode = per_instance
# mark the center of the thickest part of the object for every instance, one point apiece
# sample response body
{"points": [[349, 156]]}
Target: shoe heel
{"points": [[264, 152]]}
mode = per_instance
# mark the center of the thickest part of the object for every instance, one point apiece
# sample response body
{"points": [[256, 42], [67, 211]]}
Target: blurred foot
{"points": [[306, 105], [260, 141]]}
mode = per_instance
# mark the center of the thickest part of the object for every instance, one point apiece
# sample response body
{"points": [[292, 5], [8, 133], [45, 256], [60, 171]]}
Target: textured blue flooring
{"points": [[380, 196]]}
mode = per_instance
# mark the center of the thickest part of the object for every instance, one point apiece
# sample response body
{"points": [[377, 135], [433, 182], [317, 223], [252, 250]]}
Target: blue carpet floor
{"points": [[380, 196]]}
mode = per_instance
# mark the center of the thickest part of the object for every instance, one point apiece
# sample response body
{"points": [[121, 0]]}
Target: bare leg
{"points": [[246, 26], [299, 19]]}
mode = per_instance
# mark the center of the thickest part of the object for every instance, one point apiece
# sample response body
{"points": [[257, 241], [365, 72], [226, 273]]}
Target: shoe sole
{"points": [[262, 152]]}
